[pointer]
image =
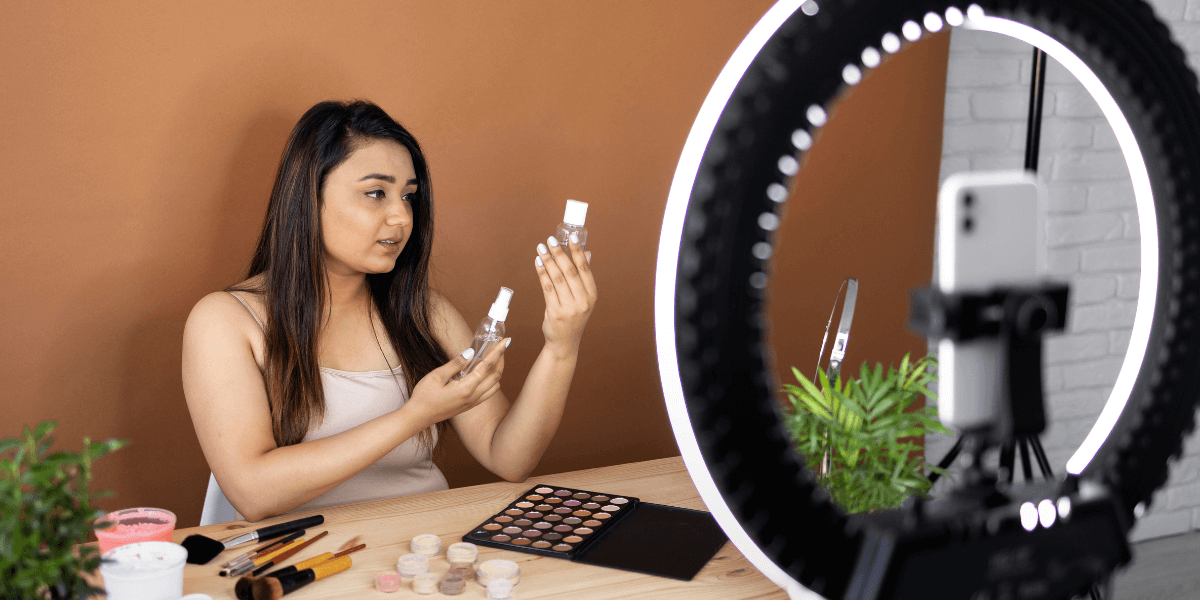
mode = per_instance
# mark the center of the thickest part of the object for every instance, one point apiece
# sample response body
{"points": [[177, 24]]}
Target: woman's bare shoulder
{"points": [[222, 308], [449, 327]]}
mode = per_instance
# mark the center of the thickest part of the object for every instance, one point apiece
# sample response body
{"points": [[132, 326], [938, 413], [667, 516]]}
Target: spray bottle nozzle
{"points": [[499, 310]]}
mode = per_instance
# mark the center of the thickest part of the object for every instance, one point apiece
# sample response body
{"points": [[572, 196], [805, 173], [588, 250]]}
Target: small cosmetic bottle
{"points": [[490, 330], [573, 220]]}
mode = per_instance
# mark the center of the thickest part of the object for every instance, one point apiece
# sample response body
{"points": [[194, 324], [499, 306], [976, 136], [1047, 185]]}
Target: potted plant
{"points": [[857, 434], [45, 513]]}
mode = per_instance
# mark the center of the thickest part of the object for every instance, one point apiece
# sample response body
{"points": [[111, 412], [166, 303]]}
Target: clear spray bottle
{"points": [[490, 330], [573, 220]]}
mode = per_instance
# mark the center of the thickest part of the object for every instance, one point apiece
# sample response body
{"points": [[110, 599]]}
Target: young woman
{"points": [[326, 376]]}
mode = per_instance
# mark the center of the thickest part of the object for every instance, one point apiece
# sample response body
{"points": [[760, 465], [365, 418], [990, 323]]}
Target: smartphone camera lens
{"points": [[968, 199], [968, 224]]}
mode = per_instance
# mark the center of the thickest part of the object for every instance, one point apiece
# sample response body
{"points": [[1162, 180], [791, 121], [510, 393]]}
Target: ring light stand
{"points": [[768, 103]]}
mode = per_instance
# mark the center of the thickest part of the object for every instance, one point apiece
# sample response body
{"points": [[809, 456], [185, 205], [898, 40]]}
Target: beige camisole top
{"points": [[351, 399]]}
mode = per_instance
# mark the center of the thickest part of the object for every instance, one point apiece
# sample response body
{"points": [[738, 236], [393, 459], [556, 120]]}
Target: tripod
{"points": [[1008, 451]]}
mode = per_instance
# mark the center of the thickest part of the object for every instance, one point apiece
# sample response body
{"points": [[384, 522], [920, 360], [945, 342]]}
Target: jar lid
{"points": [[142, 560]]}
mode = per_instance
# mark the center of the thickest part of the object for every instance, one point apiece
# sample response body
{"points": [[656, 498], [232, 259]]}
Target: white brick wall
{"points": [[1091, 231]]}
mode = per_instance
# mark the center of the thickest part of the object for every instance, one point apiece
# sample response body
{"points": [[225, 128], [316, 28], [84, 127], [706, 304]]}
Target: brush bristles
{"points": [[201, 549], [244, 588], [267, 588]]}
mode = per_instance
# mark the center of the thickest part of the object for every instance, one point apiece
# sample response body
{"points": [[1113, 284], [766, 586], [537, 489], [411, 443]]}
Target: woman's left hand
{"points": [[570, 292]]}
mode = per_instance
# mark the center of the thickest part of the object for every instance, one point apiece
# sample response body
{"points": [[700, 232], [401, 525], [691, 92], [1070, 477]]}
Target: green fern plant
{"points": [[856, 434]]}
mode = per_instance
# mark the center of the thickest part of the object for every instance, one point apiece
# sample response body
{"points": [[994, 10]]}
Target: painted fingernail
{"points": [[507, 342], [468, 353], [538, 260], [574, 238], [542, 248], [553, 242]]}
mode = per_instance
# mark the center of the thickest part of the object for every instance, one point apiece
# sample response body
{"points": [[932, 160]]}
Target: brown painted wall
{"points": [[140, 142]]}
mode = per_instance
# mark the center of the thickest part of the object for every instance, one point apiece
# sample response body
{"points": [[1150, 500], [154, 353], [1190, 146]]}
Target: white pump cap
{"points": [[576, 213], [499, 309]]}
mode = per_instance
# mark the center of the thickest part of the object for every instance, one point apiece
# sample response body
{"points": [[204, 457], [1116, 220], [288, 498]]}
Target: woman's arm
{"points": [[227, 400], [509, 438]]}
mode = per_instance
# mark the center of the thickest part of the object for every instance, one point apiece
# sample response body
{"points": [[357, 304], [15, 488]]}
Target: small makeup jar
{"points": [[427, 544], [134, 525], [387, 582], [411, 565], [425, 583], [144, 571], [452, 583], [462, 553], [500, 589], [492, 570]]}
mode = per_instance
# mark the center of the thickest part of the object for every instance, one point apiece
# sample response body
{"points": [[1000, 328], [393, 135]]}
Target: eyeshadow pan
{"points": [[591, 506], [491, 527], [512, 530], [562, 528], [480, 534], [552, 536], [572, 503], [545, 525], [544, 490], [553, 518], [541, 544], [562, 510], [583, 531], [533, 497], [513, 511], [553, 500], [532, 533], [582, 496], [572, 520], [503, 519], [524, 505], [572, 539], [592, 523], [500, 538], [522, 522], [600, 498], [563, 493], [562, 547], [533, 515], [619, 501], [543, 507], [601, 515], [612, 508], [582, 513], [521, 541]]}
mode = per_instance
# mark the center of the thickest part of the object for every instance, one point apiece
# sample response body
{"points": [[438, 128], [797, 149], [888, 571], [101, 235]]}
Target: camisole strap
{"points": [[260, 323]]}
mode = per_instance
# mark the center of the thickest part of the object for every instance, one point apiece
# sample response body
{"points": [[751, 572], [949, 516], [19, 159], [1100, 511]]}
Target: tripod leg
{"points": [[1040, 454], [948, 459], [1007, 455], [1022, 442]]}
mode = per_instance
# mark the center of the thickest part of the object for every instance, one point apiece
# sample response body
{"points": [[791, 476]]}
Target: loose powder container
{"points": [[411, 565], [427, 544], [492, 570], [425, 583], [453, 583], [500, 589], [387, 582], [462, 553]]}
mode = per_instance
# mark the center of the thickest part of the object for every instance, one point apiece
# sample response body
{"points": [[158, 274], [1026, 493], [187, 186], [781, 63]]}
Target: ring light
{"points": [[769, 101]]}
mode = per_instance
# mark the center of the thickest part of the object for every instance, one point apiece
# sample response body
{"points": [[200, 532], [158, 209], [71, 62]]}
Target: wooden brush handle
{"points": [[354, 549], [286, 554], [278, 551], [314, 561]]}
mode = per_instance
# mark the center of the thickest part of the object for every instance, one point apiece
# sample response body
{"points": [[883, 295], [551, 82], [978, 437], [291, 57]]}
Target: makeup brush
{"points": [[272, 588], [244, 588], [263, 550], [202, 549], [249, 566], [259, 551]]}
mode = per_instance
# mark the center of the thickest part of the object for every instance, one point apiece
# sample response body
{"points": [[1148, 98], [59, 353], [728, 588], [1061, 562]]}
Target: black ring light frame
{"points": [[717, 317]]}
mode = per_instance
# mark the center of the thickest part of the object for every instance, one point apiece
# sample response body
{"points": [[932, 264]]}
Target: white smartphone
{"points": [[990, 234]]}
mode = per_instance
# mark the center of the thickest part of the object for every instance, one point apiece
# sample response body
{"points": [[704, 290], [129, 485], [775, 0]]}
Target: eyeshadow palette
{"points": [[604, 529], [553, 521]]}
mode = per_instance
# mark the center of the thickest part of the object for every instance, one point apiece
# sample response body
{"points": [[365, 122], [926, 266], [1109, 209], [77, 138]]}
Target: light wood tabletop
{"points": [[387, 526]]}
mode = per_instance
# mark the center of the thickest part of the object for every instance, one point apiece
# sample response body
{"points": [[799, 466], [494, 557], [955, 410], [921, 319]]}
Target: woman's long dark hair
{"points": [[291, 259]]}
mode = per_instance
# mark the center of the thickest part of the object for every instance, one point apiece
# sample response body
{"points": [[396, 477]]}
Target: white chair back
{"points": [[217, 508]]}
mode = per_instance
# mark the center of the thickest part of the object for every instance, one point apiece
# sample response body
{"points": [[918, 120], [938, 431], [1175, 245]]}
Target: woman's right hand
{"points": [[438, 396]]}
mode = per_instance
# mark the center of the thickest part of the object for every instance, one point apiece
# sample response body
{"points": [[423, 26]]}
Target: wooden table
{"points": [[386, 526]]}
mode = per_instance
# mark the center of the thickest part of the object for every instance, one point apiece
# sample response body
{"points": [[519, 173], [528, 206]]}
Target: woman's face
{"points": [[366, 216]]}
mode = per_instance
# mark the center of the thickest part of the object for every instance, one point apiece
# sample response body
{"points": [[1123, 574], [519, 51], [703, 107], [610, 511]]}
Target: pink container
{"points": [[135, 525]]}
